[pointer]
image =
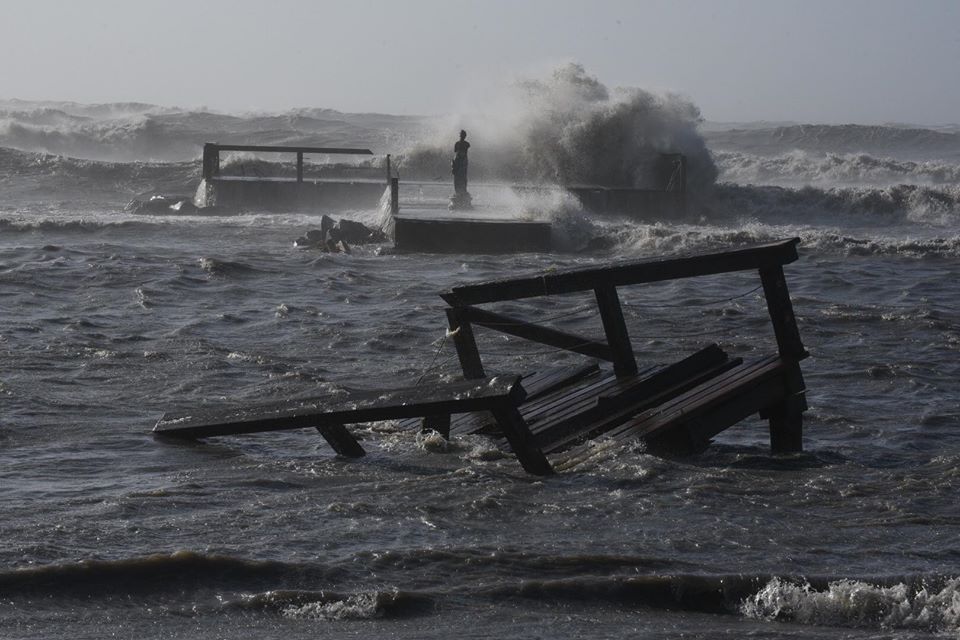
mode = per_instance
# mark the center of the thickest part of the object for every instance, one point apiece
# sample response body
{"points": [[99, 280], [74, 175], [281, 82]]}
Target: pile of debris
{"points": [[336, 236]]}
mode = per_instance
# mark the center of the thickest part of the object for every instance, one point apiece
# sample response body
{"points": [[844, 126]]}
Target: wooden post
{"points": [[299, 166], [624, 363], [518, 434], [210, 160], [389, 173], [439, 423], [342, 442], [394, 196], [786, 418], [781, 313], [466, 344]]}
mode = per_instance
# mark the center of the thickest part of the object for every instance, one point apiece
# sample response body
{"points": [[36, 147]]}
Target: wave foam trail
{"points": [[569, 129], [801, 167], [851, 603], [898, 203]]}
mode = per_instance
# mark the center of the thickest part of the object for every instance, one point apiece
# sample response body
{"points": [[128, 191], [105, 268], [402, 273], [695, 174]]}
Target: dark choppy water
{"points": [[108, 320]]}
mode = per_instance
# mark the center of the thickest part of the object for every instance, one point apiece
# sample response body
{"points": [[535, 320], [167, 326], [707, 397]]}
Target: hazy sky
{"points": [[815, 61]]}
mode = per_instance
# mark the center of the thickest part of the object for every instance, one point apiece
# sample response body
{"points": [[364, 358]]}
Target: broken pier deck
{"points": [[546, 418]]}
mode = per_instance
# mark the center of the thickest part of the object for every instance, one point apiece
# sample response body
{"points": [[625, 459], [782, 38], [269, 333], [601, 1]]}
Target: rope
{"points": [[443, 341]]}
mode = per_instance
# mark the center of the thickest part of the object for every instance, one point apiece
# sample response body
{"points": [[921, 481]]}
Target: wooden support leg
{"points": [[786, 417], [624, 364], [786, 428], [466, 344], [439, 423], [341, 440], [521, 440]]}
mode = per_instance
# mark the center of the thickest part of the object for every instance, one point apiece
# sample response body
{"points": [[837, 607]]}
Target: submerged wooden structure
{"points": [[546, 418]]}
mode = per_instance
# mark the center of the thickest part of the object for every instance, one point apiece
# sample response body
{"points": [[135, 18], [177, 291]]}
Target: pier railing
{"points": [[211, 155], [463, 313]]}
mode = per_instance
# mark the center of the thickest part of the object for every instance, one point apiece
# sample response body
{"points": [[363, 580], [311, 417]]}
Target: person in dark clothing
{"points": [[461, 198]]}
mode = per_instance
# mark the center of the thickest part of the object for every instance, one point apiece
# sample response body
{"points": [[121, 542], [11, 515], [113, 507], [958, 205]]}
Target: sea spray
{"points": [[571, 129]]}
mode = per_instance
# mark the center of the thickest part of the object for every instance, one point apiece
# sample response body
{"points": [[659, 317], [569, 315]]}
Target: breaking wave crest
{"points": [[801, 167], [333, 605], [899, 203], [48, 174], [571, 129], [853, 603], [878, 140]]}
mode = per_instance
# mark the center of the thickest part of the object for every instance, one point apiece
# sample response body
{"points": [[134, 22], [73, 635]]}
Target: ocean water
{"points": [[108, 319]]}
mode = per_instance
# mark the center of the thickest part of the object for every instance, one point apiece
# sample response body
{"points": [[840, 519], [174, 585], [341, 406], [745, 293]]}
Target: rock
{"points": [[337, 236], [352, 232], [184, 207]]}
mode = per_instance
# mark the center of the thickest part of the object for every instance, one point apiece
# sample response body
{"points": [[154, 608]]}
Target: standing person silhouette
{"points": [[461, 198]]}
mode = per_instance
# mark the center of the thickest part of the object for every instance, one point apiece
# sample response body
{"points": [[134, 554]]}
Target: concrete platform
{"points": [[438, 230]]}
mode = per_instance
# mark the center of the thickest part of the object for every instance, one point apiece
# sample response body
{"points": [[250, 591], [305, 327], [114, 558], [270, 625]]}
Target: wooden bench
{"points": [[686, 422], [682, 405]]}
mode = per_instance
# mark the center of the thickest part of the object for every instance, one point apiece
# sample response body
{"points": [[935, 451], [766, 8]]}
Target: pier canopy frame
{"points": [[211, 155]]}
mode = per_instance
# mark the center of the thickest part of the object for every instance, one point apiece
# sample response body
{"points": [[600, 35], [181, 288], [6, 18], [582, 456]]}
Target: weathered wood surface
{"points": [[535, 384], [707, 396], [612, 407], [331, 410], [272, 148], [537, 333], [615, 328], [636, 272]]}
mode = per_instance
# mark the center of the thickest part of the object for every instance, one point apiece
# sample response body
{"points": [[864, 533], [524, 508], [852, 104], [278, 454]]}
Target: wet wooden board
{"points": [[327, 411], [688, 420]]}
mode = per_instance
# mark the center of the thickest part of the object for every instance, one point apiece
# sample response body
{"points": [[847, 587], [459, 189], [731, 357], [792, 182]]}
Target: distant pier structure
{"points": [[341, 188], [421, 219]]}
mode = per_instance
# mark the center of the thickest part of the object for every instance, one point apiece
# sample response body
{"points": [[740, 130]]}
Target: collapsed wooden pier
{"points": [[548, 417]]}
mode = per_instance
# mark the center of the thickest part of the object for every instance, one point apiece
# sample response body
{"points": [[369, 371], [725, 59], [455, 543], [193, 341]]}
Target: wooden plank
{"points": [[538, 333], [319, 412], [341, 440], [704, 425], [556, 378], [271, 148], [781, 313], [521, 441], [693, 417], [615, 328], [655, 389], [636, 272], [701, 398], [535, 384], [597, 423]]}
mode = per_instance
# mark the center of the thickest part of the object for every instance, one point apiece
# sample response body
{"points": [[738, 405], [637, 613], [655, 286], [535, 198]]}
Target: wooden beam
{"points": [[466, 344], [521, 441], [299, 166], [290, 149], [624, 363], [415, 402], [781, 313], [341, 440], [636, 272], [538, 333]]}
